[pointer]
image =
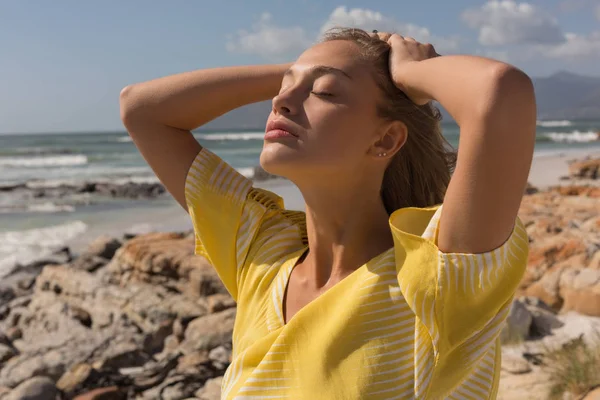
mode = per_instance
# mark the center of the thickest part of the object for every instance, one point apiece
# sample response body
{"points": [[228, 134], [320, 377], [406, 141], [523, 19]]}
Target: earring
{"points": [[382, 154]]}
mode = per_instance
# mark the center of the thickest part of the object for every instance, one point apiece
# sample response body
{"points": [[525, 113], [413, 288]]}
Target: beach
{"points": [[101, 293]]}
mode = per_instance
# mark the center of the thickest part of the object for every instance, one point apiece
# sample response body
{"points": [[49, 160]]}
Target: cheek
{"points": [[340, 132]]}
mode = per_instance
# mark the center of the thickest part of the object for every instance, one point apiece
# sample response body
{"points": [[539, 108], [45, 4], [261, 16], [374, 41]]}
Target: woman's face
{"points": [[327, 103]]}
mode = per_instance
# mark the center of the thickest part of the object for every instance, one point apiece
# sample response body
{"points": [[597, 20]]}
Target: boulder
{"points": [[104, 247], [37, 388], [208, 332], [211, 389], [106, 393], [518, 324], [585, 169]]}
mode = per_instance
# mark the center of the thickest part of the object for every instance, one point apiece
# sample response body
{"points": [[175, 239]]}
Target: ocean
{"points": [[31, 225]]}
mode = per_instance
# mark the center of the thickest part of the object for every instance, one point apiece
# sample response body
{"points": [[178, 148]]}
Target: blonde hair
{"points": [[418, 175]]}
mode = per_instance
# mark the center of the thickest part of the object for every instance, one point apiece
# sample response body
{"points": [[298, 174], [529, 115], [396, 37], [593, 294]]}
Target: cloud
{"points": [[368, 20], [506, 22], [575, 47], [269, 41], [273, 42]]}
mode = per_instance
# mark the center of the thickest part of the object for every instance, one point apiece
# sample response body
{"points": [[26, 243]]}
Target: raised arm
{"points": [[160, 114], [494, 106]]}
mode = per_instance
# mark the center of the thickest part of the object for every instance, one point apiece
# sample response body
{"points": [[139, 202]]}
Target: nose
{"points": [[283, 104]]}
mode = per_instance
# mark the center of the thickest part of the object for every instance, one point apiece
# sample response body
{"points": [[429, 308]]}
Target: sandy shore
{"points": [[546, 170]]}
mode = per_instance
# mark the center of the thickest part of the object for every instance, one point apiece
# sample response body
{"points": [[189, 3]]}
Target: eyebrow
{"points": [[321, 70]]}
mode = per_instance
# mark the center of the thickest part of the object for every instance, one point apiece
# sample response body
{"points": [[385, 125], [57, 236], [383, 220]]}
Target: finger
{"points": [[395, 38], [384, 36]]}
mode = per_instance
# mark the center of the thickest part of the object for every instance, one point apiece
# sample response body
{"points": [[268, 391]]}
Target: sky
{"points": [[64, 62]]}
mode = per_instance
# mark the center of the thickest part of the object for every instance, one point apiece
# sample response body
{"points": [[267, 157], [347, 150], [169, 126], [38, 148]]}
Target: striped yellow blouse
{"points": [[412, 323]]}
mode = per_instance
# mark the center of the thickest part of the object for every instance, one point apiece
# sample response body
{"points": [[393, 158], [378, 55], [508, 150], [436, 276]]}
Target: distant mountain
{"points": [[563, 95]]}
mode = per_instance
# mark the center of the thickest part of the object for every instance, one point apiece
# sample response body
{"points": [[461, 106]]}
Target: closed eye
{"points": [[322, 94]]}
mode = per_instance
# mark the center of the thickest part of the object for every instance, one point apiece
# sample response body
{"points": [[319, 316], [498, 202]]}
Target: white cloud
{"points": [[506, 22], [270, 41], [276, 42], [575, 47], [368, 20]]}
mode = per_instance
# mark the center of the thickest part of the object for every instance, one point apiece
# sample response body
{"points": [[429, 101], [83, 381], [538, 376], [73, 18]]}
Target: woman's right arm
{"points": [[160, 114]]}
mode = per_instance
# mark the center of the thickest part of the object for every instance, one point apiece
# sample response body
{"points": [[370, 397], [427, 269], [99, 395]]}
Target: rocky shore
{"points": [[141, 317]]}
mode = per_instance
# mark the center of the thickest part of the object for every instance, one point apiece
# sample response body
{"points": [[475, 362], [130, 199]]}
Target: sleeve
{"points": [[229, 216], [461, 300]]}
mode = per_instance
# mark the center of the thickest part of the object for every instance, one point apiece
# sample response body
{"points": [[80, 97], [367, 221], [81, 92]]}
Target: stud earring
{"points": [[382, 154]]}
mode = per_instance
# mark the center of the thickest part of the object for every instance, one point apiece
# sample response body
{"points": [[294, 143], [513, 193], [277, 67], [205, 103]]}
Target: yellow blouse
{"points": [[412, 323]]}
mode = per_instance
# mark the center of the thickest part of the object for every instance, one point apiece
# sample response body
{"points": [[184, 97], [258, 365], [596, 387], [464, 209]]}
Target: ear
{"points": [[393, 136]]}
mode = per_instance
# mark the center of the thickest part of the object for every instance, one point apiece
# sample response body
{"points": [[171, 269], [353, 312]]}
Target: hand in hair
{"points": [[404, 51]]}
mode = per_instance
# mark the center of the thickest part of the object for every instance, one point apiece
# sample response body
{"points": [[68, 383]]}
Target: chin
{"points": [[278, 159]]}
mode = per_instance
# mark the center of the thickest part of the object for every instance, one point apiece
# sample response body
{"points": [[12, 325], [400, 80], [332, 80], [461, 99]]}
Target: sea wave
{"points": [[22, 247], [37, 162], [231, 136], [572, 137], [50, 208], [34, 151], [124, 139], [554, 123]]}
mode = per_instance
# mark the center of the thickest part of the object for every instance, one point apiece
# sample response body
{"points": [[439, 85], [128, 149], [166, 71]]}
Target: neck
{"points": [[347, 225]]}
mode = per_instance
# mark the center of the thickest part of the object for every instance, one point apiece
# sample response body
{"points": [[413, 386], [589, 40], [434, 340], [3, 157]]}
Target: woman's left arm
{"points": [[494, 105]]}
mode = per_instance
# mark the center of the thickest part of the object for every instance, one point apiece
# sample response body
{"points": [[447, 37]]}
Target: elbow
{"points": [[129, 105], [506, 93], [511, 82]]}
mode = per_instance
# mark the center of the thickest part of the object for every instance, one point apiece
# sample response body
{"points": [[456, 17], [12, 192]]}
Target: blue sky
{"points": [[64, 62]]}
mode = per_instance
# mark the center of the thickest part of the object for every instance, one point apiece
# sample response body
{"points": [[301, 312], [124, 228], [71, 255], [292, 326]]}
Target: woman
{"points": [[374, 292]]}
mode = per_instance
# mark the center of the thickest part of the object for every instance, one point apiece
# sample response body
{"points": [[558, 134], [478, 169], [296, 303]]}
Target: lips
{"points": [[281, 127]]}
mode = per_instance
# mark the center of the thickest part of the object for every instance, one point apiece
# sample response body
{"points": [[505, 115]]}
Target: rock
{"points": [[171, 343], [219, 302], [530, 189], [74, 377], [517, 324], [37, 388], [7, 293], [154, 341], [211, 389], [4, 339], [106, 393], [593, 395], [221, 357], [4, 391], [210, 331], [14, 333], [104, 247], [580, 289], [586, 169], [89, 262], [190, 362], [578, 190], [177, 387], [6, 353], [515, 364]]}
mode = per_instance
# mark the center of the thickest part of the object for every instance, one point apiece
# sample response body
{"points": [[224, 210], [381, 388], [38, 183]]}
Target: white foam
{"points": [[573, 137], [125, 139], [553, 124], [247, 172], [37, 162], [22, 247], [232, 136], [50, 208]]}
